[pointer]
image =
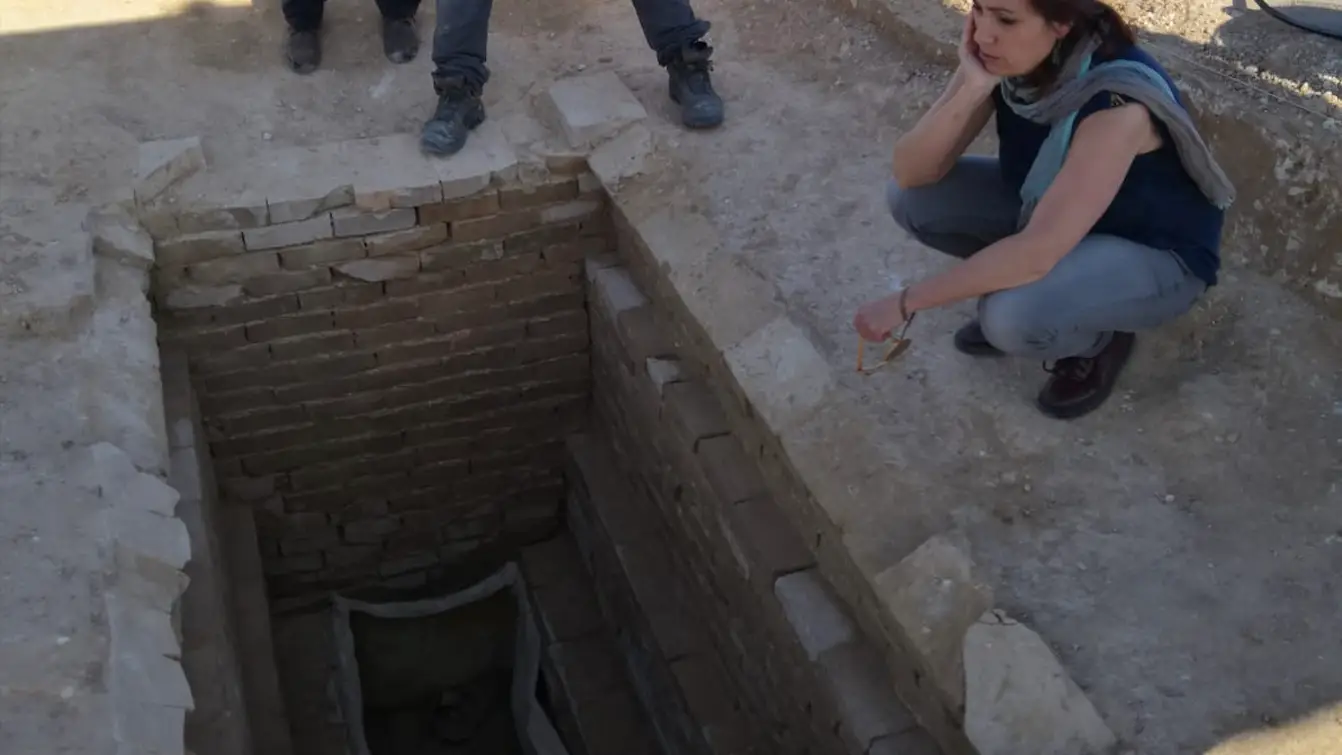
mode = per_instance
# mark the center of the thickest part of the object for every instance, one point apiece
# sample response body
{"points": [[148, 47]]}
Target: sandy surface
{"points": [[1181, 548], [1237, 38]]}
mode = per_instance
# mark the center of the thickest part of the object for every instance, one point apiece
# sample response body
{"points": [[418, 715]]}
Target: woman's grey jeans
{"points": [[1105, 284]]}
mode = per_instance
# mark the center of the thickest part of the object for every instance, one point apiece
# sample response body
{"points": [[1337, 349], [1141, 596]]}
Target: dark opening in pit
{"points": [[452, 674], [439, 683]]}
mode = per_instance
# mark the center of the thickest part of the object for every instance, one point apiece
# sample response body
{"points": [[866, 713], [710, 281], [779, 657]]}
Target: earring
{"points": [[1056, 56]]}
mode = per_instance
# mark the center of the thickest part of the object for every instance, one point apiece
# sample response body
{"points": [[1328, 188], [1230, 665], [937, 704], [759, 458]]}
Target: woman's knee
{"points": [[1017, 323], [900, 204]]}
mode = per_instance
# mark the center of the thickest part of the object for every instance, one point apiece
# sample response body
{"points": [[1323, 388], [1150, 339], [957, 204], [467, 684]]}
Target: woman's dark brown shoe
{"points": [[1079, 385], [970, 340]]}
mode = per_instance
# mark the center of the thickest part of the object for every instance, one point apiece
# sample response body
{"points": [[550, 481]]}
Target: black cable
{"points": [[1297, 24]]}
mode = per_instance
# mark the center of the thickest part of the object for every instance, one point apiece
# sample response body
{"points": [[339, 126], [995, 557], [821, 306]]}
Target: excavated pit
{"points": [[389, 408]]}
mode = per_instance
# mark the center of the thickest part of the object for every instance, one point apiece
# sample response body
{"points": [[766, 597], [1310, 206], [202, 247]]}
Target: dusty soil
{"points": [[1181, 548], [1237, 38]]}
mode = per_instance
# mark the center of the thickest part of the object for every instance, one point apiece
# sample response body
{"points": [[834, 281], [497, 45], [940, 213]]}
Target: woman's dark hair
{"points": [[1087, 17]]}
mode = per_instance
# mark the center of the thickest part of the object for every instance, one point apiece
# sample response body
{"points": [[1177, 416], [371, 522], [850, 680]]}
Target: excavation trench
{"points": [[457, 489]]}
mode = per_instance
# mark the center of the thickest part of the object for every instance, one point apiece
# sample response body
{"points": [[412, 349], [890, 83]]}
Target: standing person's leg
{"points": [[968, 209], [459, 74], [1083, 313], [400, 39], [303, 46], [674, 32]]}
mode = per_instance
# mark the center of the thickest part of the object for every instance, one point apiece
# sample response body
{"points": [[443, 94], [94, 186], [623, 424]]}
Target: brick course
{"points": [[391, 387]]}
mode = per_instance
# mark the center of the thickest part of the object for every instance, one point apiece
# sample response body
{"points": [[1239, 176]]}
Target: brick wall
{"points": [[714, 587], [388, 389]]}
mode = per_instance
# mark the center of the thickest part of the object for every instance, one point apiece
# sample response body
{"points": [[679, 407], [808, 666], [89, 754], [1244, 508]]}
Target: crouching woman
{"points": [[1101, 214]]}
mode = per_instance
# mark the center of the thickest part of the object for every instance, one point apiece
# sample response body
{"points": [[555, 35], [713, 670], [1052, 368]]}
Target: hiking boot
{"points": [[400, 40], [970, 340], [691, 87], [1080, 384], [303, 50], [459, 111]]}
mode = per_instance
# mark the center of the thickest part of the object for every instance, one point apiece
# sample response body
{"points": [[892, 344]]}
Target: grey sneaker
{"points": [[400, 39], [303, 50]]}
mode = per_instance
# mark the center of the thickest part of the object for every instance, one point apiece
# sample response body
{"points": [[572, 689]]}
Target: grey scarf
{"points": [[1076, 83]]}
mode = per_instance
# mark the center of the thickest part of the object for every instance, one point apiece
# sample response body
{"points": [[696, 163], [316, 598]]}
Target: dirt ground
{"points": [[1181, 548], [1235, 37]]}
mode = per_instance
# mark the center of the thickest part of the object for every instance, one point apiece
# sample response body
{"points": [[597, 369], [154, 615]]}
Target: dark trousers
{"points": [[459, 40], [306, 15]]}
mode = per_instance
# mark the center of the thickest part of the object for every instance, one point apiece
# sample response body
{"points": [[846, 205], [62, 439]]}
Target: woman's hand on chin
{"points": [[976, 76], [874, 320]]}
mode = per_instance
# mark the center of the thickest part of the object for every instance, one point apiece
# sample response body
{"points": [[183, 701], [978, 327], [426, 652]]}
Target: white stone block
{"points": [[388, 172], [1019, 699], [49, 286], [858, 682], [292, 207], [663, 372], [569, 211], [814, 612], [148, 543], [144, 728], [121, 485], [119, 237], [589, 109], [935, 596], [487, 157], [617, 292], [352, 222], [381, 268], [781, 372], [164, 163], [623, 157], [288, 234]]}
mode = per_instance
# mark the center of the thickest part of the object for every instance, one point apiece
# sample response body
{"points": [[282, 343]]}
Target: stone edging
{"points": [[142, 545]]}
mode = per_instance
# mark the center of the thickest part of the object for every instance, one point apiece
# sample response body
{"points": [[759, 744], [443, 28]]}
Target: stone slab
{"points": [[388, 172], [663, 372], [118, 236], [857, 681], [488, 157], [781, 372], [46, 287], [352, 222], [288, 234], [223, 198], [727, 298], [615, 290], [1019, 699], [934, 596], [623, 157], [379, 269], [814, 612], [589, 109], [166, 162]]}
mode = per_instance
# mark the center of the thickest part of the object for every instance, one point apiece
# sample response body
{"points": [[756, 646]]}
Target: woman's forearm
{"points": [[927, 151], [1014, 261]]}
